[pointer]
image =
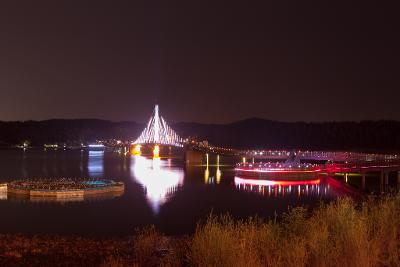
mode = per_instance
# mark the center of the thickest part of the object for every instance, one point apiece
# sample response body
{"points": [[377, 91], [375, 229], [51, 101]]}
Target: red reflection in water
{"points": [[281, 188], [321, 186]]}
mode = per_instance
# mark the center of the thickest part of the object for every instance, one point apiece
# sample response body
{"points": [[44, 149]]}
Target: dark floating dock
{"points": [[62, 190]]}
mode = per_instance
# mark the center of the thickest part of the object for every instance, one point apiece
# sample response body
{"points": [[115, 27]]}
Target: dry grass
{"points": [[147, 241], [114, 262], [151, 248], [339, 234]]}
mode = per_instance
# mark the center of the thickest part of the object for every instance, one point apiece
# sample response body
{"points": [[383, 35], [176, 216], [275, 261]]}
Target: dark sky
{"points": [[202, 61]]}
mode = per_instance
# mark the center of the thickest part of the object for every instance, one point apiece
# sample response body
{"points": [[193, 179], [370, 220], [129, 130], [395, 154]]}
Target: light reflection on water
{"points": [[212, 179], [159, 180], [95, 164], [164, 192], [277, 188]]}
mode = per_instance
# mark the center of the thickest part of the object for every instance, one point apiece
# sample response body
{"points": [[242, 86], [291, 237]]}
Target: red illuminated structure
{"points": [[280, 188], [239, 180], [278, 170]]}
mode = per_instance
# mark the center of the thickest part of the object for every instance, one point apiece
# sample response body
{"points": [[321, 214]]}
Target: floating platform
{"points": [[278, 170], [259, 182], [64, 189]]}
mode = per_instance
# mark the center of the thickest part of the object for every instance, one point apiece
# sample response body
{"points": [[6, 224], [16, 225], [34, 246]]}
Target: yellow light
{"points": [[156, 151], [136, 150], [207, 171], [206, 176], [244, 160], [218, 174]]}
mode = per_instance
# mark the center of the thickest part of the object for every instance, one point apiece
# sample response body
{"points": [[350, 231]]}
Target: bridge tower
{"points": [[158, 132]]}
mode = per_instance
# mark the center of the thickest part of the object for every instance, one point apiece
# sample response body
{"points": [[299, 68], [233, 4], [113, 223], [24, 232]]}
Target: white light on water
{"points": [[158, 179], [96, 146], [96, 164]]}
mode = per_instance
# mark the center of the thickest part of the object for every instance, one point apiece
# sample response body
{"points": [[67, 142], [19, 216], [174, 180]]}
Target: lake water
{"points": [[163, 192]]}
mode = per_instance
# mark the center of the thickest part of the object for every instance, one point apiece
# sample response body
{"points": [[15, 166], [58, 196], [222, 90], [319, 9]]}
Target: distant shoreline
{"points": [[366, 136]]}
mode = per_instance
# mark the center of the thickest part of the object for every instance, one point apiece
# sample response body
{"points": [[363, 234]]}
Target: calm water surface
{"points": [[160, 192]]}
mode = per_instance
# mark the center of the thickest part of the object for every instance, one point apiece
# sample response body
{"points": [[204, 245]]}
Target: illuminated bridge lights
{"points": [[159, 132], [319, 155], [137, 150], [156, 151]]}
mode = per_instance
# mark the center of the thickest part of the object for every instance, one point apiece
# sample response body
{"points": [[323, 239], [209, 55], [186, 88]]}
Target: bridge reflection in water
{"points": [[160, 180]]}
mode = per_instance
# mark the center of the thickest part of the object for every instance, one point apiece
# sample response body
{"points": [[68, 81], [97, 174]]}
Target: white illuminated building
{"points": [[159, 180]]}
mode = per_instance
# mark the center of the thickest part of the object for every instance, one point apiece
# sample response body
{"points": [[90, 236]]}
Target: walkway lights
{"points": [[137, 150], [156, 151]]}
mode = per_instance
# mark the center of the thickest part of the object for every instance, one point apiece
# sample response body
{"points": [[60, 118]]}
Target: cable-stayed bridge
{"points": [[158, 132]]}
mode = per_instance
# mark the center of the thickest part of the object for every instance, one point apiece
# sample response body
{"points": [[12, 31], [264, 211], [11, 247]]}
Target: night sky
{"points": [[202, 61]]}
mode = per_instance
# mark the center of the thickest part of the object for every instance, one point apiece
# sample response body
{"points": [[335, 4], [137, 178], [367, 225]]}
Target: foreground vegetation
{"points": [[343, 233], [338, 234]]}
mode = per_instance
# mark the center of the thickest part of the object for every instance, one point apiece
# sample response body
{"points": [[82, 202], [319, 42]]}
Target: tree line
{"points": [[250, 133]]}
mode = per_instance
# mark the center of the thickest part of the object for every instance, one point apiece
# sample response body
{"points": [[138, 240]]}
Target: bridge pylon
{"points": [[158, 132]]}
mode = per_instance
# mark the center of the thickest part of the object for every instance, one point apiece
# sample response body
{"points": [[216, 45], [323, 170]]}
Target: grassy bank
{"points": [[342, 233], [338, 234]]}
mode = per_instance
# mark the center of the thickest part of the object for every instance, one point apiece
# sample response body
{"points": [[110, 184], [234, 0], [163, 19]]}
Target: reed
{"points": [[343, 233]]}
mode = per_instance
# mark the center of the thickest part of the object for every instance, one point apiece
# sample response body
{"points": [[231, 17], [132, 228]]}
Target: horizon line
{"points": [[209, 123]]}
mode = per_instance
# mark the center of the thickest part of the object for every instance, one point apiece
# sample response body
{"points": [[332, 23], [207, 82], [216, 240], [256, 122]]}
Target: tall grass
{"points": [[151, 248], [342, 233], [339, 234]]}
